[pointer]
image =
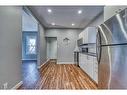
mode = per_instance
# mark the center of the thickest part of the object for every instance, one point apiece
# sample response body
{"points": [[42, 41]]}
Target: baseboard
{"points": [[65, 63], [29, 59], [17, 85], [53, 59], [43, 63]]}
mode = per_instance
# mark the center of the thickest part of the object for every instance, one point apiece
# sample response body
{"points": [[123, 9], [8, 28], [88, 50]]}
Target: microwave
{"points": [[84, 50], [80, 41]]}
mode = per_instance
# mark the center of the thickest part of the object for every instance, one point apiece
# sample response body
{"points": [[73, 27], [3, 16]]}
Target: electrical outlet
{"points": [[5, 85]]}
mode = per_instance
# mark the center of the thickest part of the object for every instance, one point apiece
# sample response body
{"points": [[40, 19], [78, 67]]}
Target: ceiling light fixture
{"points": [[49, 10], [53, 23], [79, 11], [73, 24]]}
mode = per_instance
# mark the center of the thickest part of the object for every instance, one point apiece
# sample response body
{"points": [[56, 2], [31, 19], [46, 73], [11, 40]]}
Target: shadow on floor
{"points": [[30, 74]]}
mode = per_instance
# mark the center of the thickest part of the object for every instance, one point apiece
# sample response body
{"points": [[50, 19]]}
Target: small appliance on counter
{"points": [[88, 49], [85, 50]]}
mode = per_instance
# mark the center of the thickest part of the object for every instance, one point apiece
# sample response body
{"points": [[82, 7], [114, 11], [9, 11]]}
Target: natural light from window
{"points": [[31, 43]]}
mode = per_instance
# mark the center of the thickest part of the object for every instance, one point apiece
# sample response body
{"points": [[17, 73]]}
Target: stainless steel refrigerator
{"points": [[112, 52]]}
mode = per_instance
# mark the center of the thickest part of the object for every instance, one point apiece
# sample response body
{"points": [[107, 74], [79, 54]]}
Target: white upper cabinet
{"points": [[92, 31], [84, 36], [88, 35]]}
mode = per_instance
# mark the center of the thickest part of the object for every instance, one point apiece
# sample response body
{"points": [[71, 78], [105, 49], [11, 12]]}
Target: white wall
{"points": [[99, 20], [42, 47], [65, 52], [51, 48], [29, 23], [10, 45], [110, 11]]}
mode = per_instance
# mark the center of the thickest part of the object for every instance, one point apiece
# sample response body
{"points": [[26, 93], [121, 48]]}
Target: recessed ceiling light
{"points": [[53, 23], [49, 10], [79, 11], [73, 24]]}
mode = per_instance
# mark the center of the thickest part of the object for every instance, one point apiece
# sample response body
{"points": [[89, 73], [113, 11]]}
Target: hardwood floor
{"points": [[62, 76]]}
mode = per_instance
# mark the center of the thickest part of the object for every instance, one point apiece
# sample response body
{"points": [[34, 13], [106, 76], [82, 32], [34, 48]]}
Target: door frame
{"points": [[57, 46]]}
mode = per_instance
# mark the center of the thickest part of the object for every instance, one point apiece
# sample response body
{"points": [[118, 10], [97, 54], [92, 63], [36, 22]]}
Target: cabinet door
{"points": [[95, 75], [90, 66], [85, 38], [83, 62], [92, 31], [80, 60]]}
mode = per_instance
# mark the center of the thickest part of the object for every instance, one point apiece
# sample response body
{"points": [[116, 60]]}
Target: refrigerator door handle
{"points": [[98, 46], [114, 44]]}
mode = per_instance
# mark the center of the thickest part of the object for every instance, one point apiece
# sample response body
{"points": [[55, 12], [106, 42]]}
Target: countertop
{"points": [[89, 53]]}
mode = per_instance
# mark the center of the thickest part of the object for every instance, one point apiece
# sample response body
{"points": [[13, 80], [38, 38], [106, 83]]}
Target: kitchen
{"points": [[102, 50], [63, 47]]}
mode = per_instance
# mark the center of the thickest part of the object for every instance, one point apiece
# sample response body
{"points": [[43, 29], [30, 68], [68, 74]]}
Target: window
{"points": [[31, 45]]}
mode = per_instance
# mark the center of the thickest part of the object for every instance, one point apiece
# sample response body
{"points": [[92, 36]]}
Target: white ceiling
{"points": [[64, 16]]}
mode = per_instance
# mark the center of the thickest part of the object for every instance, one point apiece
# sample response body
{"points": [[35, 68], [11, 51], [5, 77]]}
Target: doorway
{"points": [[51, 47], [30, 73]]}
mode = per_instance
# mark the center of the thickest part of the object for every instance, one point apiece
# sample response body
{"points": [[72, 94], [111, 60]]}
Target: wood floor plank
{"points": [[63, 76]]}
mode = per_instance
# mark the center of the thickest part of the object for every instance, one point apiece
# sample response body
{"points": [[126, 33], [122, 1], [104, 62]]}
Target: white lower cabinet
{"points": [[89, 65], [95, 75], [83, 62]]}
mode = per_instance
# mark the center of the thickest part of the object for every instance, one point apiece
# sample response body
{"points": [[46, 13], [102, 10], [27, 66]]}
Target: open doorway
{"points": [[52, 48]]}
